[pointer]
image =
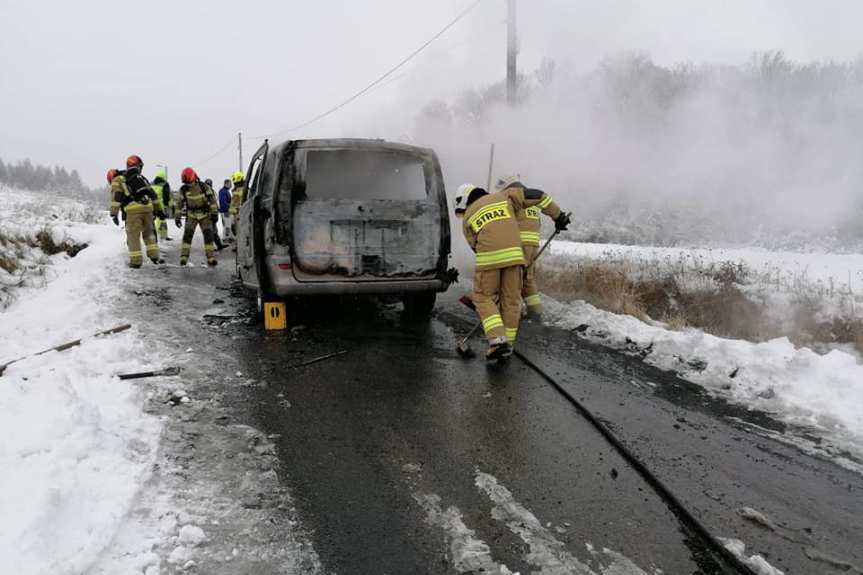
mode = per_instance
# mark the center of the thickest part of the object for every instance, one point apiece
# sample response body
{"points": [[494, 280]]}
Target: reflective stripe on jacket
{"points": [[197, 199], [238, 196], [528, 218], [491, 230]]}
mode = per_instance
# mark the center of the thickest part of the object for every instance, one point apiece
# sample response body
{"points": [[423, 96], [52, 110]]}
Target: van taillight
{"points": [[284, 266]]}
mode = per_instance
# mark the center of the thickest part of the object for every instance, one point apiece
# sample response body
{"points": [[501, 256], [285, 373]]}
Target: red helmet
{"points": [[112, 173], [134, 161], [188, 176]]}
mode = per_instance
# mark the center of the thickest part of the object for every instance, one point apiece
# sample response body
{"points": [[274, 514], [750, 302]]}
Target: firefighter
{"points": [[163, 190], [137, 200], [529, 225], [198, 202], [215, 218], [491, 230], [238, 196]]}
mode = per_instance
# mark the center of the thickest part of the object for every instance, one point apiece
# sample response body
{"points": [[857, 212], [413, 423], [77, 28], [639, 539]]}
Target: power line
{"points": [[213, 155], [380, 79]]}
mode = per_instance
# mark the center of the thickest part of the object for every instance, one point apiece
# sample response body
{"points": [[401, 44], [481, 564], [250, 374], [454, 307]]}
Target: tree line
{"points": [[24, 174]]}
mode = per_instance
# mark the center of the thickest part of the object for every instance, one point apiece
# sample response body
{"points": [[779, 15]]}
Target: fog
{"points": [[767, 152], [647, 104]]}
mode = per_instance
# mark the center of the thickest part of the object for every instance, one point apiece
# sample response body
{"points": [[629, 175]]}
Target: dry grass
{"points": [[710, 298]]}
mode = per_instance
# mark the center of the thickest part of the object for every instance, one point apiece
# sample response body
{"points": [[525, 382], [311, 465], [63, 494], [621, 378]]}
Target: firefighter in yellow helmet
{"points": [[491, 230], [163, 191], [529, 226], [133, 196], [198, 202], [238, 196]]}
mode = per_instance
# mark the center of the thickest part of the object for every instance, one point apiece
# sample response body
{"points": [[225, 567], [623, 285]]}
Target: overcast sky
{"points": [[86, 83]]}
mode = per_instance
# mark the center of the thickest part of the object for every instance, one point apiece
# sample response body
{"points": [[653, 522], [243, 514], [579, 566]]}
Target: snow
{"points": [[755, 562], [75, 445], [843, 271], [819, 392], [23, 214], [192, 535]]}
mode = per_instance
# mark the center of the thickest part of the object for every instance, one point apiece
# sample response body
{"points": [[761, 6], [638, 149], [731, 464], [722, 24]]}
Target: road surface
{"points": [[401, 457]]}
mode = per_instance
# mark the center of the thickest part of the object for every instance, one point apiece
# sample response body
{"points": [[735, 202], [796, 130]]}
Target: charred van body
{"points": [[345, 216]]}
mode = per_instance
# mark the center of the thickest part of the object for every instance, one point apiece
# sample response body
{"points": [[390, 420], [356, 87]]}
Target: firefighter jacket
{"points": [[132, 194], [528, 218], [197, 201], [491, 229], [238, 196], [163, 191]]}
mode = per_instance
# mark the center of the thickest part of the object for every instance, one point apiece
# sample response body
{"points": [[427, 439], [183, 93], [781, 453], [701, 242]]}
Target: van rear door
{"points": [[366, 214]]}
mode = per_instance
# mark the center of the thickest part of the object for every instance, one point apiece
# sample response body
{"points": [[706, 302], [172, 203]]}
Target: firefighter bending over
{"points": [[491, 230], [198, 202], [529, 226]]}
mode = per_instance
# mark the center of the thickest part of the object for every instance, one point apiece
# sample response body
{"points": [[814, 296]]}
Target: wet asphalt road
{"points": [[387, 450]]}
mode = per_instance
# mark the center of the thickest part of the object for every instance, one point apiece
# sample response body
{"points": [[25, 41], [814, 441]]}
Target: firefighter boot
{"points": [[498, 348]]}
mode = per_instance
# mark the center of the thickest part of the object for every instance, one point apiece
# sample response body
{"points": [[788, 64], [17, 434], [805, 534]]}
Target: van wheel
{"points": [[419, 305]]}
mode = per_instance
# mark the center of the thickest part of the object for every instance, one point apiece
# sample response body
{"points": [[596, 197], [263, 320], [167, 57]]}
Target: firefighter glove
{"points": [[115, 220], [562, 222], [162, 215], [178, 222]]}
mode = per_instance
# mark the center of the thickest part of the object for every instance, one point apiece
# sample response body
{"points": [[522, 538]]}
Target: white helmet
{"points": [[504, 181], [460, 202]]}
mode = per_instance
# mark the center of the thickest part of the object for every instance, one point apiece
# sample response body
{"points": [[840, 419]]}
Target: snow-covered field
{"points": [[75, 444], [23, 216], [821, 393], [836, 272]]}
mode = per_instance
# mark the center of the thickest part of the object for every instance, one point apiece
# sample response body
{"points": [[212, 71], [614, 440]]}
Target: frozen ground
{"points": [[24, 215], [832, 272], [75, 445], [817, 394], [105, 476]]}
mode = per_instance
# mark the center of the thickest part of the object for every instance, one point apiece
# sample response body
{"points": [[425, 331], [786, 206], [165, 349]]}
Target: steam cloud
{"points": [[767, 153]]}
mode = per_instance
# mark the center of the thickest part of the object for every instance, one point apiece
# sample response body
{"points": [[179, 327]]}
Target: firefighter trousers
{"points": [[530, 289], [140, 224], [161, 228], [192, 222], [497, 297]]}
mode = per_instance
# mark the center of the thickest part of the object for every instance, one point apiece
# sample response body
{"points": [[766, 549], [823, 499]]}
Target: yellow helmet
{"points": [[237, 177]]}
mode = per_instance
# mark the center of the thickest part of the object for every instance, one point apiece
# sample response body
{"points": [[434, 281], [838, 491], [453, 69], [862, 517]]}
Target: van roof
{"points": [[358, 143]]}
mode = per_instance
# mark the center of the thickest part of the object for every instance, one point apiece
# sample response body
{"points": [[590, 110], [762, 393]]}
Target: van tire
{"points": [[419, 305]]}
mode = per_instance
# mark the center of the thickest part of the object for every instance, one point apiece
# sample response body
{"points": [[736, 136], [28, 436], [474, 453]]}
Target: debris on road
{"points": [[178, 396], [155, 373], [317, 359], [67, 345]]}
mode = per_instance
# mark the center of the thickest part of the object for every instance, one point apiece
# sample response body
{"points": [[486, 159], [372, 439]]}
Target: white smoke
{"points": [[768, 152]]}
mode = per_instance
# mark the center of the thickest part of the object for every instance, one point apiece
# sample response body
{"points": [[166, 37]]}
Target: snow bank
{"points": [[843, 271], [797, 385], [75, 446], [24, 216]]}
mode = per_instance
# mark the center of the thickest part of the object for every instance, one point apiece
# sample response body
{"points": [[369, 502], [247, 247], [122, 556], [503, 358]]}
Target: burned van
{"points": [[345, 216]]}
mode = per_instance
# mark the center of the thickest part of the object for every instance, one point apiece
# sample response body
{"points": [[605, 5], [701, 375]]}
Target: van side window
{"points": [[255, 180]]}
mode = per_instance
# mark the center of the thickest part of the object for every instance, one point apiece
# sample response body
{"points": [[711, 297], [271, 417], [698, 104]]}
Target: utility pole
{"points": [[511, 53], [240, 148]]}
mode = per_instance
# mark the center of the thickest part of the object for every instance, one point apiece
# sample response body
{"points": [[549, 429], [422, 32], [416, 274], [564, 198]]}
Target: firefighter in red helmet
{"points": [[133, 196], [198, 202]]}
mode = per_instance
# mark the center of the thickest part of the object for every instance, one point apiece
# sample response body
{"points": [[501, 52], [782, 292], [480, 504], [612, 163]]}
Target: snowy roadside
{"points": [[819, 393], [75, 444], [843, 271], [106, 476], [38, 230]]}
